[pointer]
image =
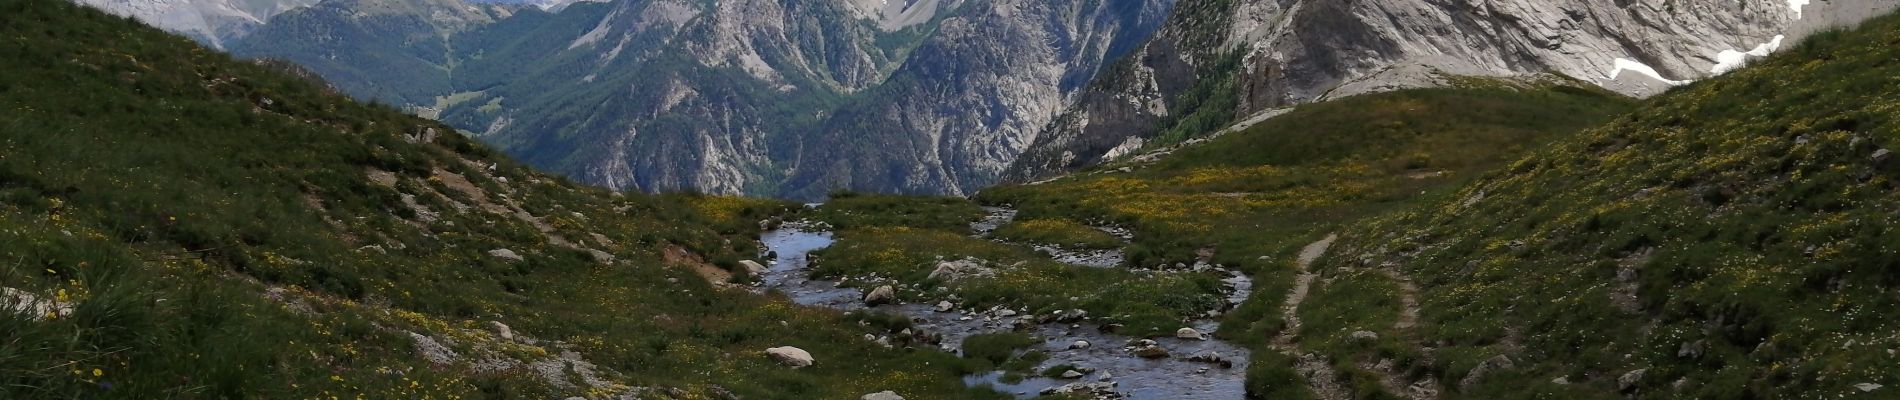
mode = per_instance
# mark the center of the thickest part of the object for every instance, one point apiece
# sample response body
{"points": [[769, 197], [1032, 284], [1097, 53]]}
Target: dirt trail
{"points": [[1319, 373], [1408, 319]]}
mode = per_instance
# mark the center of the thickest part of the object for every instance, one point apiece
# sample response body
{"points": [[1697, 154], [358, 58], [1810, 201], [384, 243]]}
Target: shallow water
{"points": [[1137, 378]]}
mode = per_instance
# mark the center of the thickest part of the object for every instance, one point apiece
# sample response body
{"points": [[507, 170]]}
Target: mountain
{"points": [[398, 51], [1504, 238], [212, 22], [1221, 62], [760, 97], [177, 223]]}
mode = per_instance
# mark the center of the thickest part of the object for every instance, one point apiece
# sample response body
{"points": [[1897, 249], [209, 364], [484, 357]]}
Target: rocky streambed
{"points": [[1194, 367]]}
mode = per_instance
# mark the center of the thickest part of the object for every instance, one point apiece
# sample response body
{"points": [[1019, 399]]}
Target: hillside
{"points": [[175, 223], [1731, 239]]}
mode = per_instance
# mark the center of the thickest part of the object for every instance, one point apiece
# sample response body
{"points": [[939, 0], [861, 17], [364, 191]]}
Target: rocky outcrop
{"points": [[1286, 53]]}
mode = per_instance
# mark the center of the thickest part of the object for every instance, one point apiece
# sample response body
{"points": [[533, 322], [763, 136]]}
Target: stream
{"points": [[1174, 377]]}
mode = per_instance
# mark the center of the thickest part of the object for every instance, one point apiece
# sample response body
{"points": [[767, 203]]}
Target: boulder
{"points": [[1629, 380], [1080, 344], [1867, 387], [882, 295], [601, 256], [1151, 351], [1071, 374], [1189, 333], [1498, 362], [884, 395], [501, 330], [1363, 336], [790, 356], [505, 254], [753, 267], [945, 306]]}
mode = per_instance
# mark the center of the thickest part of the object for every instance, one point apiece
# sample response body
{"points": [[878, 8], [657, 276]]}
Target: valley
{"points": [[176, 221]]}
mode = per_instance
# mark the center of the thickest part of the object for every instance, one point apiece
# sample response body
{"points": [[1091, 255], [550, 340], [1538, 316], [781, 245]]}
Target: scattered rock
{"points": [[753, 267], [1363, 336], [790, 356], [945, 306], [1629, 380], [1189, 333], [1105, 377], [1561, 380], [882, 295], [1495, 363], [505, 254], [501, 330], [1071, 374], [1006, 313], [1095, 390], [1867, 387], [884, 395], [1080, 344]]}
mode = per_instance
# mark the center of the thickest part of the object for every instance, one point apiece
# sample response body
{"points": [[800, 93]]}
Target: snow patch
{"points": [[1624, 64], [1729, 60]]}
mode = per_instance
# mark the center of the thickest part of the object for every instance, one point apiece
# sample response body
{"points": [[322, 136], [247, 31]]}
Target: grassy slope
{"points": [[1253, 198], [223, 231], [1746, 214]]}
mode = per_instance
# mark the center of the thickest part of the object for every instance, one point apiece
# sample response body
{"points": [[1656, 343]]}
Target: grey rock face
{"points": [[1298, 51], [212, 22]]}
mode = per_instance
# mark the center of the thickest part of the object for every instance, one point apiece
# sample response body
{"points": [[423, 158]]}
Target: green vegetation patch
{"points": [[1058, 232]]}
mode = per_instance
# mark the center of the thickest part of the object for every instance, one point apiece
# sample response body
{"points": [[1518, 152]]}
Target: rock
{"points": [[1867, 387], [1561, 380], [1692, 349], [1071, 374], [1105, 377], [601, 256], [1212, 358], [945, 306], [1080, 344], [1495, 363], [884, 395], [1363, 336], [790, 356], [960, 269], [1629, 380], [1095, 390], [753, 267], [882, 295], [1151, 351], [1882, 156], [505, 254], [1189, 333], [31, 306], [501, 330]]}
